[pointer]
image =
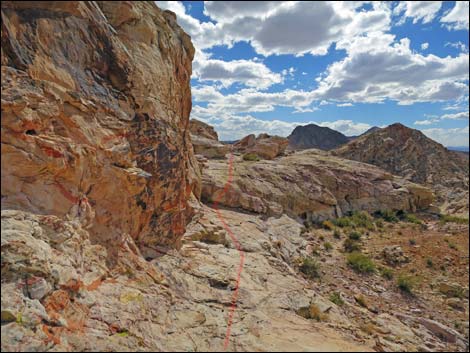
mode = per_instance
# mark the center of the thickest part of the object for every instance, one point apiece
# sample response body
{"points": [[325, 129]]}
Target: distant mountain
{"points": [[409, 153], [459, 148], [372, 129], [314, 136]]}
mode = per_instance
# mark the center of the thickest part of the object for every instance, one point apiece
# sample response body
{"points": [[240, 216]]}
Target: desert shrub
{"points": [[360, 263], [361, 301], [406, 283], [412, 241], [327, 246], [312, 312], [342, 222], [429, 263], [452, 246], [250, 157], [452, 219], [350, 245], [321, 237], [387, 216], [310, 267], [411, 218], [379, 223], [386, 273], [335, 297], [355, 236], [337, 234], [328, 225]]}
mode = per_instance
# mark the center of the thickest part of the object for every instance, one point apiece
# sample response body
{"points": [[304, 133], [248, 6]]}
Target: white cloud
{"points": [[424, 46], [435, 119], [456, 116], [272, 27], [419, 11], [449, 137], [247, 72], [379, 68], [458, 45], [251, 100], [458, 17]]}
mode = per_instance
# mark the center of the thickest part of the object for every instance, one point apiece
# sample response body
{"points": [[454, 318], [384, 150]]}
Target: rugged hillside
{"points": [[314, 136], [409, 153], [95, 120]]}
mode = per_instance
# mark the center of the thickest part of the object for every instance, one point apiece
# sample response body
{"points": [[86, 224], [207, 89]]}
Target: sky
{"points": [[268, 66]]}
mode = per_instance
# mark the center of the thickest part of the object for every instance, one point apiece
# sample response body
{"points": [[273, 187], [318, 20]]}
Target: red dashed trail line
{"points": [[235, 241]]}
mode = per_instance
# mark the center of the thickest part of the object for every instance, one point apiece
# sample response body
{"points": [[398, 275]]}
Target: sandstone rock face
{"points": [[206, 141], [264, 146], [312, 185], [202, 129], [314, 136], [95, 113], [409, 153]]}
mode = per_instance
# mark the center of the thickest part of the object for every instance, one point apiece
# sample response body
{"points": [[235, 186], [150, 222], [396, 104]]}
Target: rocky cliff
{"points": [[314, 136], [95, 112], [409, 153]]}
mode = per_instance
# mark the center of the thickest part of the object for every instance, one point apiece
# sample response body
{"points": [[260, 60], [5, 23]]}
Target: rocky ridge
{"points": [[409, 153]]}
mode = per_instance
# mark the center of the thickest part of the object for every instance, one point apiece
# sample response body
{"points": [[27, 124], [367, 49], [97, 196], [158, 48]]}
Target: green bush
{"points": [[250, 157], [337, 234], [429, 263], [387, 216], [327, 246], [310, 267], [386, 273], [412, 242], [342, 222], [355, 236], [350, 245], [412, 218], [360, 263], [336, 298], [452, 219], [406, 283]]}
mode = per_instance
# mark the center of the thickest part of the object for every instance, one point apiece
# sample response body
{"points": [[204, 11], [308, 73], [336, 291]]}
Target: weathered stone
{"points": [[263, 146], [102, 107]]}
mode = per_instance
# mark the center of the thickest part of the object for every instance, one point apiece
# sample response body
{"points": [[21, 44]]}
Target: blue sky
{"points": [[269, 66]]}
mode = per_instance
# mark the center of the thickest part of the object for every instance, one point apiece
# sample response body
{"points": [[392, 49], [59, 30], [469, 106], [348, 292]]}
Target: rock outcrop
{"points": [[264, 146], [202, 129], [206, 141], [312, 185], [95, 114], [409, 153], [314, 136]]}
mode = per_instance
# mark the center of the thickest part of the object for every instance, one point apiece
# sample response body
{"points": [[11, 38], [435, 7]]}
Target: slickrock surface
{"points": [[312, 185], [409, 153], [314, 136], [264, 146], [58, 293], [95, 113]]}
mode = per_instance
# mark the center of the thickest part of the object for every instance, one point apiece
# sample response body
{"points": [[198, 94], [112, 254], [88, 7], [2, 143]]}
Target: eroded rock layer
{"points": [[95, 113], [311, 184]]}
